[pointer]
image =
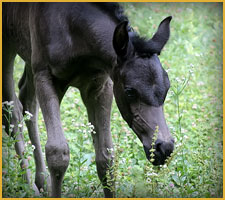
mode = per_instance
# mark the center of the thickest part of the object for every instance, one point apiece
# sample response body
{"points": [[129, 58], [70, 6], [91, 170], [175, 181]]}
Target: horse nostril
{"points": [[158, 146], [165, 148]]}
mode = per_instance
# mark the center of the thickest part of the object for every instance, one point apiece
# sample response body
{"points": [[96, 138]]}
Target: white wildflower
{"points": [[11, 127], [10, 103], [41, 190], [148, 173], [178, 144], [28, 113], [5, 103], [154, 174], [194, 106], [191, 71], [200, 83], [183, 130], [185, 137], [110, 150], [178, 80], [148, 180], [76, 124], [84, 131], [175, 140], [91, 126]]}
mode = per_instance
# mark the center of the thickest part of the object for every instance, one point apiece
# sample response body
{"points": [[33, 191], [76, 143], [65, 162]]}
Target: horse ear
{"points": [[162, 35], [121, 39]]}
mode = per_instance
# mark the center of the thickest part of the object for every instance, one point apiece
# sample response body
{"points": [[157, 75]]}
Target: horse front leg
{"points": [[56, 149], [97, 97]]}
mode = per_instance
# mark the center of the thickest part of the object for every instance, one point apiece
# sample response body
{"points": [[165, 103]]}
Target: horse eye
{"points": [[131, 94]]}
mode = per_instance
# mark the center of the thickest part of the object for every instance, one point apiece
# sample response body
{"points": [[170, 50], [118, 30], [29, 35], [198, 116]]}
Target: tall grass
{"points": [[193, 110]]}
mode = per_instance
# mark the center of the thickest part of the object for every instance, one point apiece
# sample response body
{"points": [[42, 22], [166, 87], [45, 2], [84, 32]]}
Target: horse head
{"points": [[141, 86]]}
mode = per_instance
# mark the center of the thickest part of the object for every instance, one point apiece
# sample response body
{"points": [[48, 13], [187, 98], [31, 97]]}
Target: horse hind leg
{"points": [[28, 99], [8, 92], [8, 95]]}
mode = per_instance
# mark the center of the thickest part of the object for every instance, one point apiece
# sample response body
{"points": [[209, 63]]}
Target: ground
{"points": [[193, 110]]}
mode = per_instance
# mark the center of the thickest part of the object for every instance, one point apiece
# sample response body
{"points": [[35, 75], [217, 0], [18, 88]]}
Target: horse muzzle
{"points": [[148, 121], [162, 151]]}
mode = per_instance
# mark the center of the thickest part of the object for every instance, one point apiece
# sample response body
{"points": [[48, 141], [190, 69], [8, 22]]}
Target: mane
{"points": [[112, 9], [141, 45]]}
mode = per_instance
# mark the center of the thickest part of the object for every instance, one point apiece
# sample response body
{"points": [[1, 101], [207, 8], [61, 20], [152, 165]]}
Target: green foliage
{"points": [[193, 110], [11, 171]]}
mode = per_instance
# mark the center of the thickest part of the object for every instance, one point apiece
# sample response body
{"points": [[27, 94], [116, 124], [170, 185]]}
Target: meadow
{"points": [[193, 110]]}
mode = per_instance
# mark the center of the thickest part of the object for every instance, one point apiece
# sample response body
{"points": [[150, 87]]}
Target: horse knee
{"points": [[57, 155]]}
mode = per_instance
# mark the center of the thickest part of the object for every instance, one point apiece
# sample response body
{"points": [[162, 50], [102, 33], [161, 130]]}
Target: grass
{"points": [[193, 110]]}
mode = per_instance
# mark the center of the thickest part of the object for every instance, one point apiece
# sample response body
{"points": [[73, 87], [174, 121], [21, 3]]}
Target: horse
{"points": [[90, 46]]}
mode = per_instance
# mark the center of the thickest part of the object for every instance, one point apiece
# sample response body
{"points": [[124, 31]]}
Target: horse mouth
{"points": [[162, 152]]}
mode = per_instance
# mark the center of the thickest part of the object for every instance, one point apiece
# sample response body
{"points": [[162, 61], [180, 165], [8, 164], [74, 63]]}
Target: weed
{"points": [[12, 173], [194, 116]]}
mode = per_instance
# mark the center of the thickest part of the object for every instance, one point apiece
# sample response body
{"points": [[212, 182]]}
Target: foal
{"points": [[92, 47]]}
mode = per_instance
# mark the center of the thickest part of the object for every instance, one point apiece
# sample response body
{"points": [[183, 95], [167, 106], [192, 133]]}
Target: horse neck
{"points": [[96, 29]]}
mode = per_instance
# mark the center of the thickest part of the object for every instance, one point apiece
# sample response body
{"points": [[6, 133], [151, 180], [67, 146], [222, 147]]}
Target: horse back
{"points": [[60, 34]]}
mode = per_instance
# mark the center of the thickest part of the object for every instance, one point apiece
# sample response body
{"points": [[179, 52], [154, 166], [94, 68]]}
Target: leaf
{"points": [[176, 179]]}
